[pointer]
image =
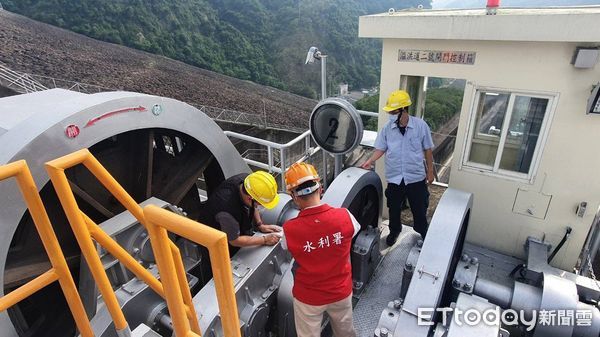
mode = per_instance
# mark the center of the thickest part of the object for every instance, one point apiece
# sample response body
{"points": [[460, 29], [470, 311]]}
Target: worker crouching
{"points": [[233, 206], [319, 240]]}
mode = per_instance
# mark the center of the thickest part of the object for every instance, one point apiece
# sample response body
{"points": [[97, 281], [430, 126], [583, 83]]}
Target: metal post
{"points": [[323, 76], [339, 164], [307, 145], [270, 158], [282, 166], [324, 177]]}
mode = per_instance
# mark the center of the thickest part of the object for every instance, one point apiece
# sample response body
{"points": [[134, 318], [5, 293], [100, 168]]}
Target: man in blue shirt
{"points": [[406, 142]]}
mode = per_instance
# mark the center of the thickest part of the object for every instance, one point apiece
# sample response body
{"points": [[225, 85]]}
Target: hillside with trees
{"points": [[263, 41]]}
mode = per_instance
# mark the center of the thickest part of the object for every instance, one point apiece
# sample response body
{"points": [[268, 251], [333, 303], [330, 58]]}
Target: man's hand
{"points": [[271, 239], [430, 177], [264, 228], [376, 155], [429, 165]]}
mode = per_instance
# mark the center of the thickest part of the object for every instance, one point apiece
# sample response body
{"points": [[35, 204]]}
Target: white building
{"points": [[526, 146], [343, 89]]}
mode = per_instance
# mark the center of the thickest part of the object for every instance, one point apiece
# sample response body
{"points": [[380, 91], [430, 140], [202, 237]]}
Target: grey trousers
{"points": [[308, 318]]}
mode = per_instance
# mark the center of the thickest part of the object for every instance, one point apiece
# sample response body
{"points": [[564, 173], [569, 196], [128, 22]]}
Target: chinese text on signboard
{"points": [[437, 56]]}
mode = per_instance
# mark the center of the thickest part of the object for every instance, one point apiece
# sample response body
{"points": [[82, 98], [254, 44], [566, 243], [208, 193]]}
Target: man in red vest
{"points": [[319, 239]]}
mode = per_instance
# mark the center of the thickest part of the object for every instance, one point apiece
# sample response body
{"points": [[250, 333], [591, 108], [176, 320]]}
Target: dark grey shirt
{"points": [[229, 225]]}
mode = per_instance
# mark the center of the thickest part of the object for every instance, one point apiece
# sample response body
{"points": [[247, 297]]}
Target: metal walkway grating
{"points": [[385, 283]]}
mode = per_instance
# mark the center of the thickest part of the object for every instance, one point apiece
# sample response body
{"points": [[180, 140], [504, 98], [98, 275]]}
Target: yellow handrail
{"points": [[60, 270], [159, 221], [130, 263], [85, 229]]}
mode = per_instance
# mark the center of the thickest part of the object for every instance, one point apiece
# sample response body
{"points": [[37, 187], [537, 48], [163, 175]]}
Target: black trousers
{"points": [[418, 198]]}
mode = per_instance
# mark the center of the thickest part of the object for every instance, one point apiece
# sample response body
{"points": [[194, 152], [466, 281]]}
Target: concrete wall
{"points": [[568, 170]]}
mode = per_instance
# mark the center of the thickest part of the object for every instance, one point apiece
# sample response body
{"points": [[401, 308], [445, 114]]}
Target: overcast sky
{"points": [[511, 3]]}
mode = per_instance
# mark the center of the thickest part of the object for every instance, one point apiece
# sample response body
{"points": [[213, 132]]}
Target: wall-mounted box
{"points": [[532, 203], [585, 57]]}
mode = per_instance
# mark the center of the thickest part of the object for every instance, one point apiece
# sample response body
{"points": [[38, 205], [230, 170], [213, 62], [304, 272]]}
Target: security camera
{"points": [[313, 53]]}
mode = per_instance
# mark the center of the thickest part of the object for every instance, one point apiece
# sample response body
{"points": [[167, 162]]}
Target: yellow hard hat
{"points": [[298, 174], [398, 99], [262, 187]]}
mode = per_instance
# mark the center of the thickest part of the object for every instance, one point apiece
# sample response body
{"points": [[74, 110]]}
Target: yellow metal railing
{"points": [[85, 229], [159, 221], [60, 270]]}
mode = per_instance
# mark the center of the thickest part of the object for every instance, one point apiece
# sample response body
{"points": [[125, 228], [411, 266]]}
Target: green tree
{"points": [[369, 103], [441, 104]]}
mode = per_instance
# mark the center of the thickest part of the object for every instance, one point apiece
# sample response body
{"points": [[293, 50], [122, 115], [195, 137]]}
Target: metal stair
{"points": [[20, 82]]}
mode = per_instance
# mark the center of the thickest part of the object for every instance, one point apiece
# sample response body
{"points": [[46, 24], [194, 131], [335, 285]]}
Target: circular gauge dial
{"points": [[336, 126]]}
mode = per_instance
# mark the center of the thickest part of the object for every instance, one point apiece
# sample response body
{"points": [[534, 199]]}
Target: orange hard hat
{"points": [[298, 174]]}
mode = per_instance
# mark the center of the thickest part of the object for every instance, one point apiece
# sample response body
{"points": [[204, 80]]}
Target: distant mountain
{"points": [[511, 3], [264, 41]]}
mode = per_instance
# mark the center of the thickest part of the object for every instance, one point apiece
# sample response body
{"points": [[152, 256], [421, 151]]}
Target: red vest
{"points": [[320, 239]]}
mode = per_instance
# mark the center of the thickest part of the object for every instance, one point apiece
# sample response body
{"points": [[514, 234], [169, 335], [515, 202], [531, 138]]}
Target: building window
{"points": [[507, 131]]}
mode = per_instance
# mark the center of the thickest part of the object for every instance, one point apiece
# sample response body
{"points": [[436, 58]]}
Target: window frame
{"points": [[473, 133]]}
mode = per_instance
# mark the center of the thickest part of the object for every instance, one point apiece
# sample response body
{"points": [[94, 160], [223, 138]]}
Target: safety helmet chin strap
{"points": [[307, 190]]}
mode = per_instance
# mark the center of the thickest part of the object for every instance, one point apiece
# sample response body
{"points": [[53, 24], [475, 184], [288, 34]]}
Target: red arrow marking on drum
{"points": [[112, 113]]}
